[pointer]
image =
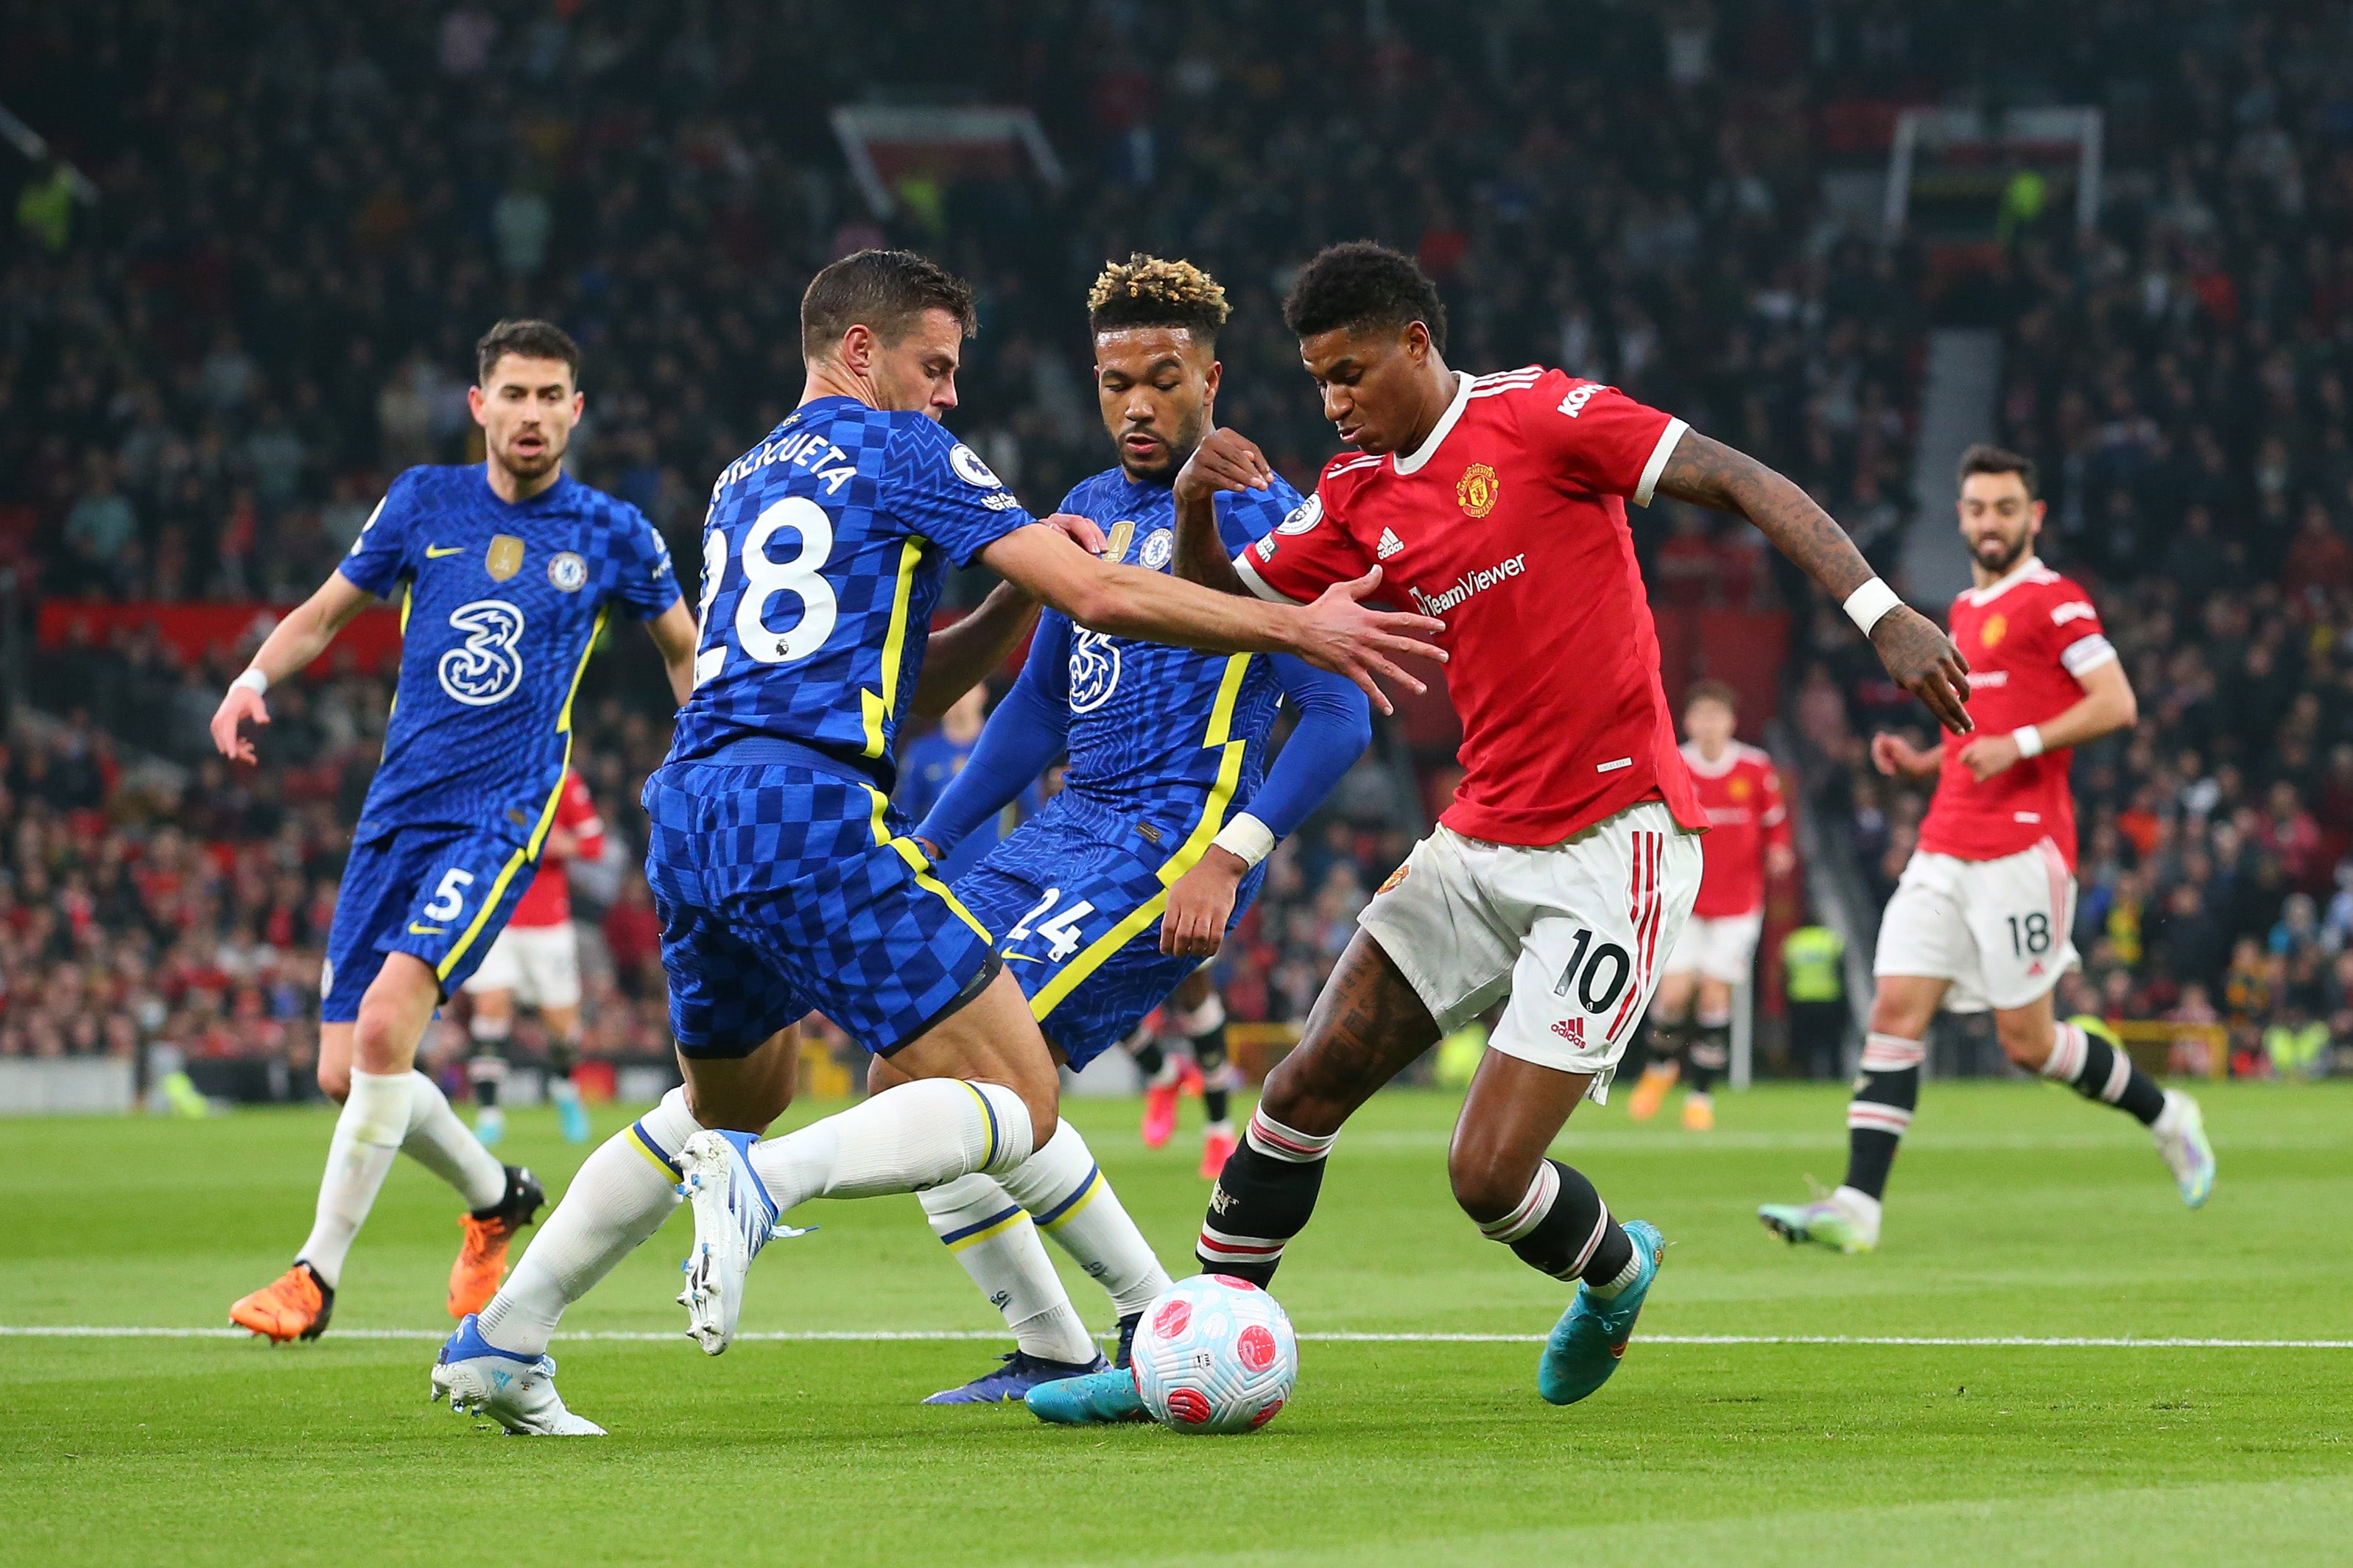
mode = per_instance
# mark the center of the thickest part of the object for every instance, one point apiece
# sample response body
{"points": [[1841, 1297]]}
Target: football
{"points": [[1214, 1354]]}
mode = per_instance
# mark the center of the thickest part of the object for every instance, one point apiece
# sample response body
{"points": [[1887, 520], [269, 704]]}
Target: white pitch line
{"points": [[884, 1336]]}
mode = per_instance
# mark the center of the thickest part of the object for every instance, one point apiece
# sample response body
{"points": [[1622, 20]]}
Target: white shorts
{"points": [[541, 964], [2000, 931], [1722, 949], [1572, 932]]}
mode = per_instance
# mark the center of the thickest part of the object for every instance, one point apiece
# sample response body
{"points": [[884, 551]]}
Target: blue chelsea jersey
{"points": [[822, 558], [500, 607], [1153, 728]]}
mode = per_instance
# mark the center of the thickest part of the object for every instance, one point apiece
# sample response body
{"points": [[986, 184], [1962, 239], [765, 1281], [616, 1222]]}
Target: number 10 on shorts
{"points": [[1596, 976]]}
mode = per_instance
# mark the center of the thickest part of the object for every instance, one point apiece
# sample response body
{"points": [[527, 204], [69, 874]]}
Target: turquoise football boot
{"points": [[1590, 1340], [1098, 1399]]}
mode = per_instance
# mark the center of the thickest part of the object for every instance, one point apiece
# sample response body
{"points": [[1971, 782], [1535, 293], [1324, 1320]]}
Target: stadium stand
{"points": [[303, 218]]}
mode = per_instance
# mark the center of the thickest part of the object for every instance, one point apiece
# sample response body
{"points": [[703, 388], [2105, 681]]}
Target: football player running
{"points": [[507, 572], [1109, 901], [783, 880], [1982, 917], [1748, 841], [1563, 869]]}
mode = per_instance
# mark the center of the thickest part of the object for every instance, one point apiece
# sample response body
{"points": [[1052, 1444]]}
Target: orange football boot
{"points": [[1652, 1092], [1699, 1113], [294, 1306], [1217, 1148], [482, 1260]]}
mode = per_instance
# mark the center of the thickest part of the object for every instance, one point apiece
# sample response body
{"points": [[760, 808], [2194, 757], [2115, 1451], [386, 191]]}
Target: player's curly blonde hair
{"points": [[1147, 291]]}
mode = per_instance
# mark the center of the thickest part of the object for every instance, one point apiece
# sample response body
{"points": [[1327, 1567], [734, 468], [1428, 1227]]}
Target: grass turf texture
{"points": [[2017, 1210]]}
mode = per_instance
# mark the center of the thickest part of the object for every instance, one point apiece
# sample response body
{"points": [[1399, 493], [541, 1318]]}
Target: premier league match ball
{"points": [[1214, 1354]]}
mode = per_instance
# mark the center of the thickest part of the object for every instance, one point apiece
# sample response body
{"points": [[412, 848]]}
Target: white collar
{"points": [[1411, 462], [1697, 761], [2003, 584]]}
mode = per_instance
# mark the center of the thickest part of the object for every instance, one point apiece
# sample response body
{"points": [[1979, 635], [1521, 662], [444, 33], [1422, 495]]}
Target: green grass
{"points": [[2018, 1210]]}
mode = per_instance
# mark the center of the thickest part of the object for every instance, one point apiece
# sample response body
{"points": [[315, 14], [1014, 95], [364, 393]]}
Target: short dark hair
{"points": [[530, 340], [1361, 284], [886, 291], [1983, 458], [1711, 691], [1146, 291]]}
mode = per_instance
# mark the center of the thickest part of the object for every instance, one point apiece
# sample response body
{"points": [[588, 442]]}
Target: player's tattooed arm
{"points": [[1225, 461], [1921, 657]]}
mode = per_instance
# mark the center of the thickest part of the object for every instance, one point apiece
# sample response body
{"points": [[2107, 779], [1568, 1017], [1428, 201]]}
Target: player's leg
{"points": [[2087, 1055], [1727, 957], [551, 965], [1668, 1020], [1200, 1015], [1164, 1075], [490, 1026]]}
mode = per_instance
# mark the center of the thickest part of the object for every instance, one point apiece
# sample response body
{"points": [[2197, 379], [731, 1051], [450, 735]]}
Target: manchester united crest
{"points": [[1993, 631], [1477, 490]]}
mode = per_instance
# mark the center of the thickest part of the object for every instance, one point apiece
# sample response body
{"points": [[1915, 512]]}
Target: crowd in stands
{"points": [[303, 218]]}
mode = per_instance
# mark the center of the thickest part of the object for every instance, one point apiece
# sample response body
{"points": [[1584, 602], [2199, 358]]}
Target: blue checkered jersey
{"points": [[822, 558], [500, 607], [1157, 730]]}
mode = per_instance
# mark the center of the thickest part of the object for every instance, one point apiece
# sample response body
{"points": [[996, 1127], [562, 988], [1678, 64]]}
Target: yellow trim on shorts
{"points": [[922, 866], [877, 709], [1188, 854], [529, 853]]}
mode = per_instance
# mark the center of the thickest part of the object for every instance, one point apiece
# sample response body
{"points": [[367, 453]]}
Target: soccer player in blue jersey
{"points": [[1110, 901], [785, 881], [506, 572]]}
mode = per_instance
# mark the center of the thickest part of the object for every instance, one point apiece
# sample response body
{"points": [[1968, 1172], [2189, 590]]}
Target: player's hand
{"points": [[1925, 663], [1987, 755], [931, 850], [243, 705], [1199, 904], [1900, 758], [1342, 635], [1081, 532], [1225, 461], [1779, 859]]}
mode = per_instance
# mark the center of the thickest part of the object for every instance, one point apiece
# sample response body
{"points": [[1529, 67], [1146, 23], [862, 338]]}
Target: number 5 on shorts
{"points": [[450, 897]]}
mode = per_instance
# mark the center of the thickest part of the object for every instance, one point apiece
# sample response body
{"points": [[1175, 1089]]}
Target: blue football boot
{"points": [[1590, 1340], [1014, 1377]]}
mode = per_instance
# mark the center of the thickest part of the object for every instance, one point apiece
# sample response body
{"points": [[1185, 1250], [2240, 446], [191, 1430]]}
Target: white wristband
{"points": [[1246, 839], [2029, 740], [253, 681], [1867, 603]]}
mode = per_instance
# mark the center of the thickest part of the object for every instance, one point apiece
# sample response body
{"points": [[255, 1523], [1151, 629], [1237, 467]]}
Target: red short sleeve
{"points": [[2075, 634], [1597, 436], [1307, 552]]}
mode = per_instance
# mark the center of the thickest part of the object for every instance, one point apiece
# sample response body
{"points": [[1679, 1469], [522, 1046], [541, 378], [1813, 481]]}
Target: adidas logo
{"points": [[1390, 544], [1572, 1030]]}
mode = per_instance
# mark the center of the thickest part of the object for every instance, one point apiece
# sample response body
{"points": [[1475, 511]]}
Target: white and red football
{"points": [[1214, 1354]]}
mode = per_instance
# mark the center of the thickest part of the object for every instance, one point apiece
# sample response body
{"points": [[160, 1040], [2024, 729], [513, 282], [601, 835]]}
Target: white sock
{"points": [[563, 1091], [998, 1246], [1063, 1188], [1861, 1207], [916, 1135], [1626, 1275], [442, 1145], [620, 1196], [368, 1132]]}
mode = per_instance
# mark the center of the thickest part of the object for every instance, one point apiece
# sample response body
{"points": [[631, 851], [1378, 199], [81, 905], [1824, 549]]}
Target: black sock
{"points": [[2105, 1075], [1711, 1051], [485, 1073], [1562, 1228], [1884, 1094], [1666, 1044], [1149, 1058], [562, 1055], [1263, 1199], [1217, 1074]]}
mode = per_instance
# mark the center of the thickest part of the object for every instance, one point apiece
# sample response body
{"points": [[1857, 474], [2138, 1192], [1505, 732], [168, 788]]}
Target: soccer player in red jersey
{"points": [[537, 961], [1562, 871], [1747, 840], [1981, 917]]}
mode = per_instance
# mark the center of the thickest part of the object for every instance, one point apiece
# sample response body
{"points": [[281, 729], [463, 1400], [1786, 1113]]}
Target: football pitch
{"points": [[1750, 1423]]}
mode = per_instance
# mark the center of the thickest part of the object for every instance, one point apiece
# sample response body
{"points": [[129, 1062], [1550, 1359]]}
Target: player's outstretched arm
{"points": [[2107, 705], [1921, 659], [1335, 633], [293, 643], [961, 656], [673, 632]]}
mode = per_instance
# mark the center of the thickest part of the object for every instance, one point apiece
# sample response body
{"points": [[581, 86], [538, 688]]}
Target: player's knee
{"points": [[1488, 1182], [335, 1080], [2025, 1041]]}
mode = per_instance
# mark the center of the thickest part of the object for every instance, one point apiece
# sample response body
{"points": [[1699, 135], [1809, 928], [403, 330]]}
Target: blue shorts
{"points": [[784, 888], [1079, 916], [440, 894]]}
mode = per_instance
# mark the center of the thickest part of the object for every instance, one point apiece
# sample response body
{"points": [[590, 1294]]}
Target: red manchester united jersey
{"points": [[548, 900], [1742, 796], [2028, 639], [1509, 524]]}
